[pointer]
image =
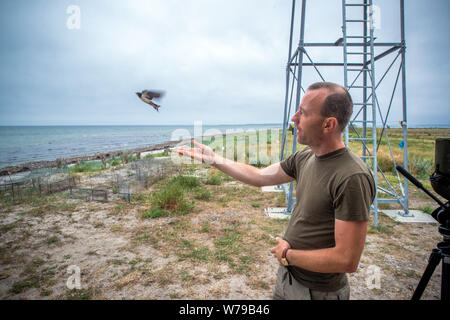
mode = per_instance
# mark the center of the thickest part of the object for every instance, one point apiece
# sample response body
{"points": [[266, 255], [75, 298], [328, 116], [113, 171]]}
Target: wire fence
{"points": [[106, 185]]}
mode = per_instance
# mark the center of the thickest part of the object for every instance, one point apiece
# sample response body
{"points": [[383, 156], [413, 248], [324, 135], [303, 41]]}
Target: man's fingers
{"points": [[185, 150], [195, 143]]}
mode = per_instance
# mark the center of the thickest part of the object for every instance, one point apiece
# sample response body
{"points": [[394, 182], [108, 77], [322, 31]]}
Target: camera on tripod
{"points": [[440, 181]]}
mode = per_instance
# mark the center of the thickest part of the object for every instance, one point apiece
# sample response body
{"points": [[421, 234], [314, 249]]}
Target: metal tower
{"points": [[361, 54]]}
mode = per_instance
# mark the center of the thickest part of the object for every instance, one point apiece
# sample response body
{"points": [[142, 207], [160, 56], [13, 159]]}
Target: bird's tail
{"points": [[154, 105]]}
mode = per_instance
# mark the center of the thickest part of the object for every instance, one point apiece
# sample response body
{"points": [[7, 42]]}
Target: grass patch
{"points": [[33, 278], [120, 208], [185, 182], [156, 155], [79, 294], [420, 167], [20, 286], [8, 227], [384, 229], [427, 209], [206, 227], [190, 250], [202, 194], [212, 180], [229, 249], [52, 240], [155, 212], [86, 166], [169, 198]]}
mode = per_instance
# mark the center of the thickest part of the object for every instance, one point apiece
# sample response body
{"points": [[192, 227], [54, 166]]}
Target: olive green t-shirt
{"points": [[337, 185]]}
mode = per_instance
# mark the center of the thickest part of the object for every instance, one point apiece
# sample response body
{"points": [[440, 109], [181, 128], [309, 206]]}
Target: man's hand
{"points": [[199, 152], [278, 250]]}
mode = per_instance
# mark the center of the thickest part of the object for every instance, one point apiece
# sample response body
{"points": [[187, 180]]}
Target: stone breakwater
{"points": [[97, 156]]}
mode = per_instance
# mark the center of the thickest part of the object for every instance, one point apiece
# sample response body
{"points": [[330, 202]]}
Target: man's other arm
{"points": [[350, 237]]}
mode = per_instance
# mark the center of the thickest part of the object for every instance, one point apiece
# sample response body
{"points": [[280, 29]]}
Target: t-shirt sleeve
{"points": [[354, 197], [289, 167], [291, 164]]}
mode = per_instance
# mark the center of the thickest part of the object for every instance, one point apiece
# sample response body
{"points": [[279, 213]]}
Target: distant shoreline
{"points": [[23, 156], [32, 165], [142, 125], [395, 126]]}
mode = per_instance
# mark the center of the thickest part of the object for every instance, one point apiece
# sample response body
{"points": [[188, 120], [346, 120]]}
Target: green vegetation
{"points": [[427, 209], [156, 155], [79, 294], [384, 229], [185, 182], [52, 240], [216, 181], [201, 193], [34, 276], [87, 166], [169, 198]]}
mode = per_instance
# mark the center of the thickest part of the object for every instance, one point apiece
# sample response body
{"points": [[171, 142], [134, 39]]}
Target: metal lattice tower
{"points": [[360, 55]]}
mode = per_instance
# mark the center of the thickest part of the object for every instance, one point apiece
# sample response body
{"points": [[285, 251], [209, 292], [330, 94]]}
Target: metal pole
{"points": [[288, 76], [404, 123], [344, 43], [374, 124], [300, 52], [364, 151]]}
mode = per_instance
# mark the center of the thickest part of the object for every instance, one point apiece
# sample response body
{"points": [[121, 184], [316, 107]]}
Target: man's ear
{"points": [[330, 124]]}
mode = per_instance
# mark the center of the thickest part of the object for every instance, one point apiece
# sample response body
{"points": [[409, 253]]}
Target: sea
{"points": [[21, 144]]}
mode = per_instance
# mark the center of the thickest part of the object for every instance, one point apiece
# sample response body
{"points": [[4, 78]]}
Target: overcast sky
{"points": [[221, 62]]}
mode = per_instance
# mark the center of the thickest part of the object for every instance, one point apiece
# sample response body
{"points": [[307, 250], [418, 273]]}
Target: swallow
{"points": [[147, 96]]}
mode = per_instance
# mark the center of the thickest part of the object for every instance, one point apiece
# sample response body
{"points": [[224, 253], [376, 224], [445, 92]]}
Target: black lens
{"points": [[440, 179]]}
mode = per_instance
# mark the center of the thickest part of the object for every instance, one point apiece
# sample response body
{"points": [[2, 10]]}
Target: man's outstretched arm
{"points": [[269, 176]]}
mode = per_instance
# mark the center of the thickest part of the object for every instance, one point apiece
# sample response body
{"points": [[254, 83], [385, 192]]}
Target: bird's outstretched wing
{"points": [[153, 94]]}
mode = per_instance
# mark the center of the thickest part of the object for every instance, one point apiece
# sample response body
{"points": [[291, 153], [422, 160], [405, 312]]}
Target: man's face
{"points": [[308, 119]]}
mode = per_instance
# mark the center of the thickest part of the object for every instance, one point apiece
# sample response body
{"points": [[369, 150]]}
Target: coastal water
{"points": [[20, 144]]}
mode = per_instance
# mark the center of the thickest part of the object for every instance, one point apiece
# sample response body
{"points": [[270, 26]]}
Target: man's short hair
{"points": [[337, 104]]}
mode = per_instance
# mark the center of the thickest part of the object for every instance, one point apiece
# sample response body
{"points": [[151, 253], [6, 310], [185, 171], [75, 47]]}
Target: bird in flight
{"points": [[147, 96]]}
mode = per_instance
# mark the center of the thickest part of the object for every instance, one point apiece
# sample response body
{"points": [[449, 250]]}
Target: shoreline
{"points": [[32, 165]]}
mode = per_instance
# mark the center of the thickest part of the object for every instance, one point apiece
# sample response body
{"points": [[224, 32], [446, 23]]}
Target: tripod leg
{"points": [[434, 260], [445, 285]]}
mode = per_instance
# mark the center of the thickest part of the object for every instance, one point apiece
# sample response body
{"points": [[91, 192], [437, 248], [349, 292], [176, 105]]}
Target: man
{"points": [[326, 233]]}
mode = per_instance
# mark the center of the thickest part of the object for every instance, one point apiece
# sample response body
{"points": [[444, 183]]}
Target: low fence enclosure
{"points": [[115, 182]]}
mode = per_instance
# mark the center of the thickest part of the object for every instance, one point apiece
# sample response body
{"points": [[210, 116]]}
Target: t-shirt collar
{"points": [[332, 154]]}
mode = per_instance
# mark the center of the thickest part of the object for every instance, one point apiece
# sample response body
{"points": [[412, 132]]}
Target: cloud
{"points": [[219, 61]]}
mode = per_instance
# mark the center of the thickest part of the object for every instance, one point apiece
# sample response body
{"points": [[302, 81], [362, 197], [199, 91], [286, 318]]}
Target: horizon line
{"points": [[423, 125]]}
